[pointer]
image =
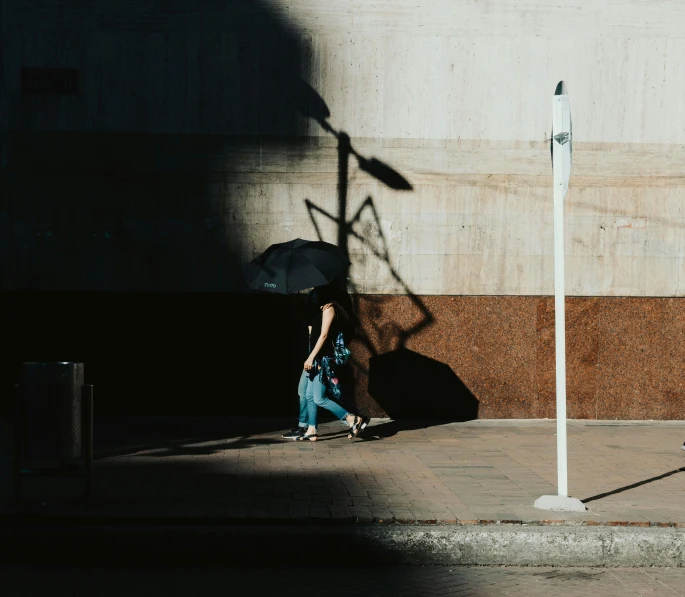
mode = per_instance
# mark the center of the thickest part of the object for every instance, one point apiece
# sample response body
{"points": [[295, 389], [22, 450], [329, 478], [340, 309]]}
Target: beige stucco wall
{"points": [[456, 96], [453, 95]]}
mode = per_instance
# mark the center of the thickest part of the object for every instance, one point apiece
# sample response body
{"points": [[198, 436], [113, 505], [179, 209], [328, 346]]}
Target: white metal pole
{"points": [[561, 162], [559, 296]]}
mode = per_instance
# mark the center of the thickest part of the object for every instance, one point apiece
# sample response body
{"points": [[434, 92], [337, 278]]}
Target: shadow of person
{"points": [[417, 392]]}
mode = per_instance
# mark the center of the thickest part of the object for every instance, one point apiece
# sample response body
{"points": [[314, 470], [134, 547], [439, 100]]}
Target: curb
{"points": [[365, 544], [87, 519]]}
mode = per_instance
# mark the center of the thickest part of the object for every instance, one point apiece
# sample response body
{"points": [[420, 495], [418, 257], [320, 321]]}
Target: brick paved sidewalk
{"points": [[480, 471]]}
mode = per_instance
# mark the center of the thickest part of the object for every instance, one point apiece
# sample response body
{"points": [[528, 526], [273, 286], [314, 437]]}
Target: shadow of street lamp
{"points": [[313, 106]]}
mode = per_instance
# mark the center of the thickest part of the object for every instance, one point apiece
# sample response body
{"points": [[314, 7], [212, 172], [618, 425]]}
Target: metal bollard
{"points": [[54, 424]]}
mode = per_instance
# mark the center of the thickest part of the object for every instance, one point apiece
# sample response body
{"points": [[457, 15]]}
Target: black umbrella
{"points": [[295, 265]]}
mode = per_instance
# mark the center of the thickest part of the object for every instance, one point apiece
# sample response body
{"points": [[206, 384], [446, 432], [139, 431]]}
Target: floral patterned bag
{"points": [[340, 352], [329, 377]]}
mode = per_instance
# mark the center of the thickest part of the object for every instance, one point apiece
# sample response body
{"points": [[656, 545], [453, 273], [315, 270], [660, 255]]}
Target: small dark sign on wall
{"points": [[49, 80]]}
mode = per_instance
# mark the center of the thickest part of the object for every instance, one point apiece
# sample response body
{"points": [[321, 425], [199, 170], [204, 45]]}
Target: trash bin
{"points": [[54, 422]]}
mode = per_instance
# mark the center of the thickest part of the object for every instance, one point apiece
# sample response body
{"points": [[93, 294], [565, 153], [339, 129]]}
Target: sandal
{"points": [[356, 427], [312, 437]]}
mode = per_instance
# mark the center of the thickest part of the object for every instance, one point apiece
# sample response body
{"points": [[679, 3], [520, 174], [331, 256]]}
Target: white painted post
{"points": [[560, 125], [561, 163]]}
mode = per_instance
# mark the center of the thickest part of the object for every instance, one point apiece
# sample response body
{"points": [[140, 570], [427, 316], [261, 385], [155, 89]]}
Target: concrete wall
{"points": [[455, 96], [118, 186]]}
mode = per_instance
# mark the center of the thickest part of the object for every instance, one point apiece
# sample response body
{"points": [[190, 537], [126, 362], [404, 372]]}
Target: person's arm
{"points": [[328, 315]]}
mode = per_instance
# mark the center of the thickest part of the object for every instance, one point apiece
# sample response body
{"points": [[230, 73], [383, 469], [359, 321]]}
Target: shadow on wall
{"points": [[118, 199], [125, 185], [403, 383]]}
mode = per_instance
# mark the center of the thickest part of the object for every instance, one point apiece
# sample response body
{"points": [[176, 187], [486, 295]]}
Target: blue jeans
{"points": [[312, 395]]}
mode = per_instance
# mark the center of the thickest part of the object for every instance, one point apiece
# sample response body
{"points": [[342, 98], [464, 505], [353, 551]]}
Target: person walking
{"points": [[325, 329]]}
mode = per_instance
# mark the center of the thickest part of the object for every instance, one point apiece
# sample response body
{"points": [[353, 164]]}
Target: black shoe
{"points": [[683, 446], [294, 433]]}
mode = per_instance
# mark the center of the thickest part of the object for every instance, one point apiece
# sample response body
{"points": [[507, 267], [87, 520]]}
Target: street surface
{"points": [[145, 581]]}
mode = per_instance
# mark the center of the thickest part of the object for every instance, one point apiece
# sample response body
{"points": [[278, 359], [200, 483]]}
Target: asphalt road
{"points": [[141, 579]]}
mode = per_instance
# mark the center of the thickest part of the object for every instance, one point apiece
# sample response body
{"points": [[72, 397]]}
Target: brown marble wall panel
{"points": [[582, 347], [672, 402], [503, 353], [544, 359], [641, 359], [624, 355]]}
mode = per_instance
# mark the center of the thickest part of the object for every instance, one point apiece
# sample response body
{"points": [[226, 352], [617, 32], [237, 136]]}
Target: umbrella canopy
{"points": [[295, 265]]}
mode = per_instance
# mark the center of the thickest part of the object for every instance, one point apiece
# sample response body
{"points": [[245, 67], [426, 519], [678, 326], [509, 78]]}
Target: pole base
{"points": [[559, 503]]}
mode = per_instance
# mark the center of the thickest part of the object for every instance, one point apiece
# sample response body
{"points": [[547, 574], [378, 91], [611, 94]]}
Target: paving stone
{"points": [[628, 473]]}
